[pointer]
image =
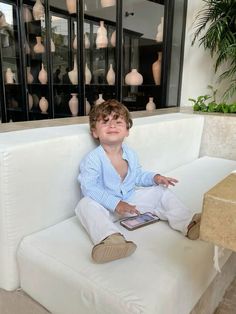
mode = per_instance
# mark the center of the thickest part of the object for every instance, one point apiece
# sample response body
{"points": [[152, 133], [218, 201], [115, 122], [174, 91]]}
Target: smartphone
{"points": [[135, 222]]}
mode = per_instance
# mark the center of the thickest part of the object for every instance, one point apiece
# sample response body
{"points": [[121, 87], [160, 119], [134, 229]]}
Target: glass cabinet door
{"points": [[36, 61], [143, 23], [99, 51], [10, 64], [62, 66]]}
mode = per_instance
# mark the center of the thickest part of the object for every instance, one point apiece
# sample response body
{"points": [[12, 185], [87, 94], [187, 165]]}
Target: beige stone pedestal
{"points": [[218, 224]]}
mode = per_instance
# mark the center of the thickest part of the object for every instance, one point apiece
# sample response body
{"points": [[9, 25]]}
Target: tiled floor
{"points": [[228, 304]]}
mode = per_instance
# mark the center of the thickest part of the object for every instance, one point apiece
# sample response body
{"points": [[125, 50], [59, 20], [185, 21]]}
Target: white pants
{"points": [[99, 222]]}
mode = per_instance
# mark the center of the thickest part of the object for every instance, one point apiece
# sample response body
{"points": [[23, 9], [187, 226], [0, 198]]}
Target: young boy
{"points": [[109, 177]]}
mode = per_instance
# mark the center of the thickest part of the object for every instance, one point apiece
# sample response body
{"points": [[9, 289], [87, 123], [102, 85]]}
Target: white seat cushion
{"points": [[56, 268]]}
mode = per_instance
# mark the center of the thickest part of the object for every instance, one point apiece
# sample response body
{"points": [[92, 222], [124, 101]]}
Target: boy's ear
{"points": [[94, 133]]}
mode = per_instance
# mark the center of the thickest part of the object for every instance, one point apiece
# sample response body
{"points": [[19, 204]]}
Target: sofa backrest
{"points": [[39, 168]]}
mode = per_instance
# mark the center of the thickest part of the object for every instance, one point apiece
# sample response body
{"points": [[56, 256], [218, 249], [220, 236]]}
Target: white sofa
{"points": [[45, 251]]}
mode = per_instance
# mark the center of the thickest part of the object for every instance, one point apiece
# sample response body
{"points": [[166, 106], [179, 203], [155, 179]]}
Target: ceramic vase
{"points": [[156, 69], [30, 101], [27, 15], [74, 45], [27, 47], [13, 103], [9, 76], [101, 39], [87, 106], [111, 77], [113, 39], [88, 75], [107, 3], [35, 100], [53, 48], [3, 21], [29, 76], [160, 27], [43, 104], [73, 75], [100, 100], [43, 76], [39, 47], [71, 6], [74, 105], [150, 105], [134, 78], [57, 99], [86, 41], [38, 10]]}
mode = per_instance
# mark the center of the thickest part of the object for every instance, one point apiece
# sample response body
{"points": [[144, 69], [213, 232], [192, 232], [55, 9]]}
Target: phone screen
{"points": [[139, 221]]}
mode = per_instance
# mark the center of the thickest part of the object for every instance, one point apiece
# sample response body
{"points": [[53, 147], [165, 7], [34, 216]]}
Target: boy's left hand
{"points": [[166, 181]]}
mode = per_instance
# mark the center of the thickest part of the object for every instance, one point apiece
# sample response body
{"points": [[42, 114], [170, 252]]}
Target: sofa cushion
{"points": [[56, 268]]}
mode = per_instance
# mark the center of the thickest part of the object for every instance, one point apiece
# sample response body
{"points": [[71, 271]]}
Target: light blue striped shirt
{"points": [[100, 181]]}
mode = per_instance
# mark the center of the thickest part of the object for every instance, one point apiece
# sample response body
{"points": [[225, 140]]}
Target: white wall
{"points": [[198, 67]]}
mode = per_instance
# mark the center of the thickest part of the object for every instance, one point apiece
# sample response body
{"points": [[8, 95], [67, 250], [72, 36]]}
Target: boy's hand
{"points": [[166, 181], [123, 208]]}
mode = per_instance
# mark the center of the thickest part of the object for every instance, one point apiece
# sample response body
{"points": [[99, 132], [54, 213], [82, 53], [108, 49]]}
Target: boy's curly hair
{"points": [[104, 109]]}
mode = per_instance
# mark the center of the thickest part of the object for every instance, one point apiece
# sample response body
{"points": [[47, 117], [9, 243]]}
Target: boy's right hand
{"points": [[123, 208]]}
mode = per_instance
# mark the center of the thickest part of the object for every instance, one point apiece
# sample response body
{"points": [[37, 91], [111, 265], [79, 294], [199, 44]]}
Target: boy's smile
{"points": [[110, 130]]}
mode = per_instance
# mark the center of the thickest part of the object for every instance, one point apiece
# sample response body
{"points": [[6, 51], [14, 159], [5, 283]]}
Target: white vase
{"points": [[100, 100], [86, 41], [111, 77], [74, 105], [71, 6], [9, 76], [43, 76], [3, 21], [73, 75], [27, 15], [156, 69], [38, 10], [27, 47], [113, 39], [101, 39], [53, 48], [134, 78], [107, 3], [39, 47], [160, 27], [74, 45], [87, 106], [150, 105], [29, 76], [30, 101], [43, 104], [88, 75]]}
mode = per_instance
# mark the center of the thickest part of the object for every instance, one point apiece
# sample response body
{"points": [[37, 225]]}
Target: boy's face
{"points": [[110, 130]]}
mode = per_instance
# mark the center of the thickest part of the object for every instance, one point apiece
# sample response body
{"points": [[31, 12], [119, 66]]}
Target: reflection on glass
{"points": [[142, 43], [99, 44], [61, 63], [10, 56]]}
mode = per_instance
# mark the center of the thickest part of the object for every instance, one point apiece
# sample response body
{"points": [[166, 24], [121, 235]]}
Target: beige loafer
{"points": [[112, 248], [194, 227]]}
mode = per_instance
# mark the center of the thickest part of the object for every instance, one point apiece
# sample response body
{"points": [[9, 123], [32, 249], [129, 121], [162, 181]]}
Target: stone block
{"points": [[218, 224]]}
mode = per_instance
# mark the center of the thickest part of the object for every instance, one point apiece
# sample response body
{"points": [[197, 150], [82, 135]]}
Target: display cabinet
{"points": [[59, 58]]}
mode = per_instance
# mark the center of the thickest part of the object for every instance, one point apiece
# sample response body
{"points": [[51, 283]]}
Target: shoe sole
{"points": [[103, 253]]}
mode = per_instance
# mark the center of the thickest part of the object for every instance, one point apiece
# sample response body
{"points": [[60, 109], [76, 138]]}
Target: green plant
{"points": [[200, 104], [219, 18]]}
